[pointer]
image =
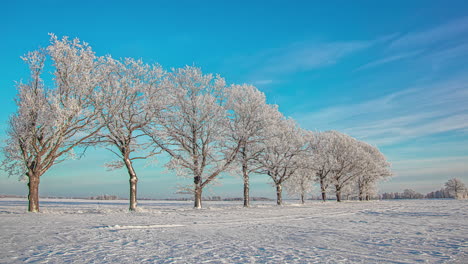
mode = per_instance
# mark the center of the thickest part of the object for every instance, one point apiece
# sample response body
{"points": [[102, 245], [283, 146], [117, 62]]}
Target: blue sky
{"points": [[393, 74]]}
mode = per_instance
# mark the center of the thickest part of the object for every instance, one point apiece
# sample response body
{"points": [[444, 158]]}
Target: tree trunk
{"points": [[197, 192], [133, 184], [198, 197], [246, 190], [279, 194], [33, 195], [361, 195], [133, 193], [246, 184], [302, 198], [322, 188], [338, 193], [324, 196], [367, 197]]}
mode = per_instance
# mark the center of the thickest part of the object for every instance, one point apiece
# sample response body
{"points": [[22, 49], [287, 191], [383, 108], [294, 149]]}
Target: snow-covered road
{"points": [[85, 231]]}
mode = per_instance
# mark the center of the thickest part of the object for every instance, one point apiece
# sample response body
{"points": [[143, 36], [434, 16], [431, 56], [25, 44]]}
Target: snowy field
{"points": [[85, 231]]}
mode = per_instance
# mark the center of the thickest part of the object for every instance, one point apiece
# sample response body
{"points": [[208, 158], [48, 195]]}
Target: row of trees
{"points": [[339, 163], [406, 194], [206, 127]]}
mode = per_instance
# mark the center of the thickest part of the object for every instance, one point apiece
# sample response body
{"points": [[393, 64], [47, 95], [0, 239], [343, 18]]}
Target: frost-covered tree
{"points": [[366, 186], [321, 160], [126, 88], [250, 120], [300, 183], [442, 193], [282, 155], [193, 129], [371, 167], [51, 121], [410, 194], [343, 159], [456, 188]]}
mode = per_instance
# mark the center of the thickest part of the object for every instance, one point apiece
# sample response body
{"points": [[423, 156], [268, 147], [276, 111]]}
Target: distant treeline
{"points": [[105, 197], [454, 189], [115, 197]]}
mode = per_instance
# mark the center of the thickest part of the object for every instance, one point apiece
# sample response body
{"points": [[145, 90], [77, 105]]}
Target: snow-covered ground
{"points": [[85, 231]]}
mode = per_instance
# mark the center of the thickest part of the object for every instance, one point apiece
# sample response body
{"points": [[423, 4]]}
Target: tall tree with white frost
{"points": [[343, 159], [372, 166], [250, 118], [51, 122], [456, 188], [322, 160], [125, 91], [282, 154], [193, 129]]}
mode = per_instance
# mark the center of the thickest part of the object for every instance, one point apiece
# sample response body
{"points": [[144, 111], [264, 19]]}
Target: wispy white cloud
{"points": [[385, 132], [264, 67], [439, 59], [308, 56], [449, 166], [413, 163], [388, 59], [303, 56], [263, 82], [441, 33], [434, 47], [412, 113], [443, 147]]}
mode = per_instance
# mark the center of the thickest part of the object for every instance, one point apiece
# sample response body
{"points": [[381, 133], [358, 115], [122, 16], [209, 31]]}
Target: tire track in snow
{"points": [[224, 223]]}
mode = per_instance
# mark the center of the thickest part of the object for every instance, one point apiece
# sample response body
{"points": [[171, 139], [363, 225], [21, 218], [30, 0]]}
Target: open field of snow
{"points": [[85, 231]]}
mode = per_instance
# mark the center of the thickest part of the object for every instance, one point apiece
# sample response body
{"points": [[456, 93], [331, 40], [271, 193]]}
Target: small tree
{"points": [[300, 183], [282, 155], [456, 188]]}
